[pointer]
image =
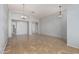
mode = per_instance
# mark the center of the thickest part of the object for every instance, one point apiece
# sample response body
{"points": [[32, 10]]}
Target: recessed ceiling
{"points": [[37, 10]]}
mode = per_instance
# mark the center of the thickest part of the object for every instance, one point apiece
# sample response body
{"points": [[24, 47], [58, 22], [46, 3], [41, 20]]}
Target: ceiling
{"points": [[36, 10]]}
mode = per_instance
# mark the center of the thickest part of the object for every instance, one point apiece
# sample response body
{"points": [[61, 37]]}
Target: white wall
{"points": [[54, 26], [73, 26], [3, 27], [17, 16]]}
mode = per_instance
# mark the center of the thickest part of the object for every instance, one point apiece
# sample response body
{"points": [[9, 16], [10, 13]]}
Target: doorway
{"points": [[20, 27], [34, 27], [14, 27]]}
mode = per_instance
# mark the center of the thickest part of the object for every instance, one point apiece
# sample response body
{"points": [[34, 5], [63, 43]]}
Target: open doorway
{"points": [[34, 27], [20, 27], [14, 27]]}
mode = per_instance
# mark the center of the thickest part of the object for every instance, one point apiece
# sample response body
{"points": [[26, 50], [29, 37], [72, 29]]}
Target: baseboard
{"points": [[5, 46], [65, 40], [69, 45], [52, 36]]}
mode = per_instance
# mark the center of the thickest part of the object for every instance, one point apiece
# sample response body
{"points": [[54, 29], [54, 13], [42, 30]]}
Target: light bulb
{"points": [[23, 17]]}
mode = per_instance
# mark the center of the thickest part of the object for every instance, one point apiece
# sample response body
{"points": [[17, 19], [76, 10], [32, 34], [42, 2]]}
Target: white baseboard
{"points": [[4, 46], [70, 45]]}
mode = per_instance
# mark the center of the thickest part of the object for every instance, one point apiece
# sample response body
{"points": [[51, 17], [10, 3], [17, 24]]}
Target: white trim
{"points": [[72, 46], [4, 46]]}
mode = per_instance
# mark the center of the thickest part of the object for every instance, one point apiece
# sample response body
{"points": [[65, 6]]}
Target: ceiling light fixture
{"points": [[23, 13]]}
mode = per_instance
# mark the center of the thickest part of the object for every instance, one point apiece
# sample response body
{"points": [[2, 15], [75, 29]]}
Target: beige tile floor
{"points": [[38, 44]]}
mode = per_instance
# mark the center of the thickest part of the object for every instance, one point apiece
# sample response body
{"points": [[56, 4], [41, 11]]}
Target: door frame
{"points": [[22, 21]]}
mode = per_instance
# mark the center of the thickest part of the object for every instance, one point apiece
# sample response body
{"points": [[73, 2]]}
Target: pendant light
{"points": [[23, 13], [60, 11]]}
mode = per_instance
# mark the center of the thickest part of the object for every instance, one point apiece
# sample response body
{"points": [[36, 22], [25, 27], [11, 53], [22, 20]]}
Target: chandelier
{"points": [[23, 13]]}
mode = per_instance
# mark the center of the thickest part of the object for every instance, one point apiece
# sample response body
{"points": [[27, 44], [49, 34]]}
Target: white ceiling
{"points": [[37, 10]]}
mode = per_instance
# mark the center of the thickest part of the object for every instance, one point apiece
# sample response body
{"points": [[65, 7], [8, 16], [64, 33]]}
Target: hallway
{"points": [[38, 44]]}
